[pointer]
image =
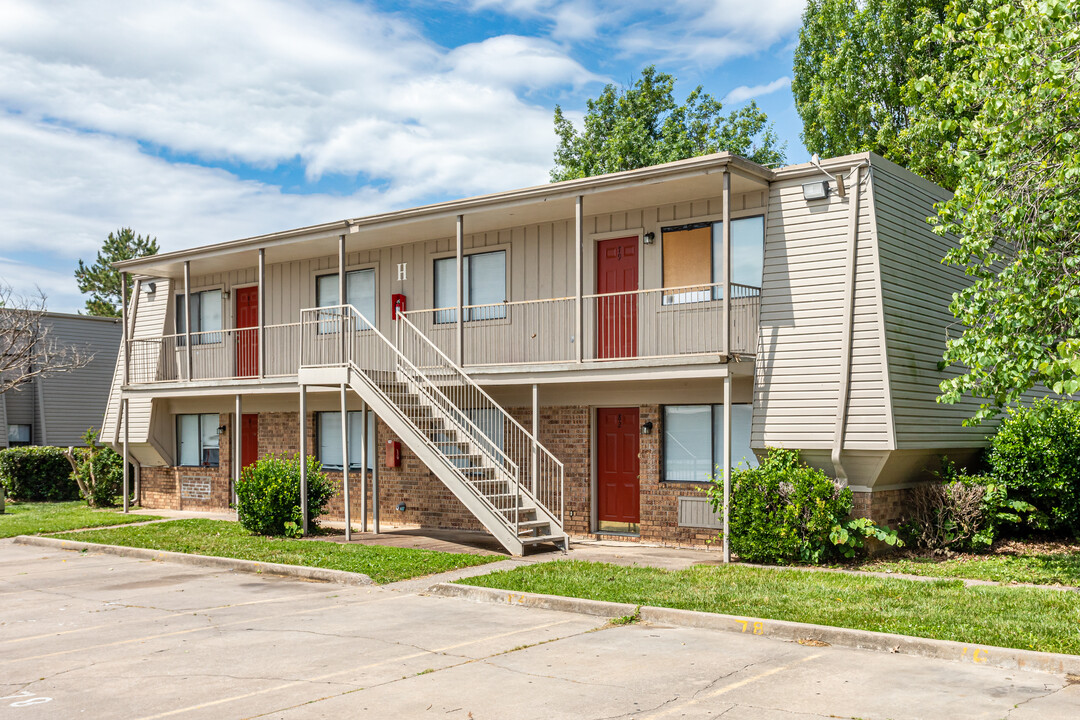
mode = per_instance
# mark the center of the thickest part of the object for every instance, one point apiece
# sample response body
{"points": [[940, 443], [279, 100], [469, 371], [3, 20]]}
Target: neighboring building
{"points": [[592, 310], [57, 409]]}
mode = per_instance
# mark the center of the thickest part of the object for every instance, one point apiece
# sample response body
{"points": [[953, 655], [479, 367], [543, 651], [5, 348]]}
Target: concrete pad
{"points": [[134, 639]]}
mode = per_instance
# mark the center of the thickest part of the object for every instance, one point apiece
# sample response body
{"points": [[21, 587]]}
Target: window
{"points": [[694, 441], [359, 292], [205, 317], [328, 427], [484, 280], [197, 439], [694, 255], [18, 435]]}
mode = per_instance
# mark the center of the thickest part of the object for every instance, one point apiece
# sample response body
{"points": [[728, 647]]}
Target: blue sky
{"points": [[202, 121]]}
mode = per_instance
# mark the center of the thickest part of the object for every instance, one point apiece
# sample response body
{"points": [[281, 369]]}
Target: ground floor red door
{"points": [[617, 466], [249, 439]]}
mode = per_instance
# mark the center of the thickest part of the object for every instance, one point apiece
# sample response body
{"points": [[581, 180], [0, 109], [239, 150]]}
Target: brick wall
{"points": [[190, 488], [885, 507]]}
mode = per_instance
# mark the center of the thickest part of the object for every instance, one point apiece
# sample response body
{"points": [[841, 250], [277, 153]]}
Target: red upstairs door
{"points": [[249, 439], [618, 467], [616, 317], [247, 333]]}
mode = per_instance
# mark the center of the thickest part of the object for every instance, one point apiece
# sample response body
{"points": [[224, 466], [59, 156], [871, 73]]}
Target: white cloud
{"points": [[746, 92]]}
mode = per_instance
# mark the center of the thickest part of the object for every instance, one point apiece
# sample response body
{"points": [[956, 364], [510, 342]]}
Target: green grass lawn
{"points": [[1026, 618], [1052, 568], [228, 539], [38, 518]]}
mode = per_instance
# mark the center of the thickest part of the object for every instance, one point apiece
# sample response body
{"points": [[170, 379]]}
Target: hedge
{"points": [[39, 474]]}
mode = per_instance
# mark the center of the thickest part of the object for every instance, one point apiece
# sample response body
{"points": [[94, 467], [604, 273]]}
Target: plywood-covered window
{"points": [[693, 258]]}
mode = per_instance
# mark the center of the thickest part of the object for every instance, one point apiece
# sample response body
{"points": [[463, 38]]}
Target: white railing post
{"points": [[727, 464], [535, 433], [126, 344], [460, 290], [187, 318], [726, 210], [345, 461], [303, 459], [261, 338], [579, 238]]}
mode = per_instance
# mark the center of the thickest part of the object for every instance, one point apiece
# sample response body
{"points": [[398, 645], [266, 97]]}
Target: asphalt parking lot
{"points": [[99, 636]]}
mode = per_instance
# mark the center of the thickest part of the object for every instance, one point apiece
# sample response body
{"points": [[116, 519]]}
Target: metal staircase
{"points": [[492, 464]]}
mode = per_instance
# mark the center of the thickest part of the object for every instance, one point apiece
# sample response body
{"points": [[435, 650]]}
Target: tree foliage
{"points": [[853, 80], [643, 125], [29, 348], [1012, 103], [101, 280]]}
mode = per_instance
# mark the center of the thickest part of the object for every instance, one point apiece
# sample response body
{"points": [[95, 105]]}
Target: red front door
{"points": [[616, 317], [247, 340], [617, 465], [249, 439]]}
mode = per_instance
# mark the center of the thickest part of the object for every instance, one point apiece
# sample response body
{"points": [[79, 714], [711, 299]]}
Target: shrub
{"points": [[963, 512], [1035, 455], [785, 511], [98, 470], [39, 474], [269, 495]]}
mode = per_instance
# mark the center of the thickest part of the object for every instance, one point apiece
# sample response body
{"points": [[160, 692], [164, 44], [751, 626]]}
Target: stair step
{"points": [[532, 524], [537, 539]]}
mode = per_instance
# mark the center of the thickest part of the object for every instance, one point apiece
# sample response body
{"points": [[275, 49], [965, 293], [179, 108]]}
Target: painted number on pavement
{"points": [[25, 698]]}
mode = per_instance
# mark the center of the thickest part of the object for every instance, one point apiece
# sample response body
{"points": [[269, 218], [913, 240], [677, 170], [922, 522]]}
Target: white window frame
{"points": [[354, 453], [714, 225], [214, 336], [716, 412], [348, 271], [215, 420], [449, 314]]}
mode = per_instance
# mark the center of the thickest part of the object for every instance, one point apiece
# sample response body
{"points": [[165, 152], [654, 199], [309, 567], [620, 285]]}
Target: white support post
{"points": [[345, 460], [727, 464], [262, 313], [363, 467], [535, 433], [460, 329], [727, 264], [579, 239], [374, 478], [127, 455], [303, 458], [238, 450], [341, 292], [126, 343], [187, 317]]}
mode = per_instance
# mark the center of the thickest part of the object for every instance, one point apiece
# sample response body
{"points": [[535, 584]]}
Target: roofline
{"points": [[73, 316], [703, 164]]}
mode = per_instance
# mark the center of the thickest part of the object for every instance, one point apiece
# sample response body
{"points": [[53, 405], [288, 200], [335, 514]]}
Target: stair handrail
{"points": [[513, 472], [404, 322]]}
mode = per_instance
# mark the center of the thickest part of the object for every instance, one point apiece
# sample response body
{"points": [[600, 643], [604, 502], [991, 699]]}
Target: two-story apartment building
{"points": [[573, 358]]}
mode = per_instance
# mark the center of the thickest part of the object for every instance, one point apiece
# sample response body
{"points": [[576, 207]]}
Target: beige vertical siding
{"points": [[801, 331], [75, 401]]}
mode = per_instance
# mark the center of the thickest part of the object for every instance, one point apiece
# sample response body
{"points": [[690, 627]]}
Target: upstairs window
{"points": [[206, 315], [484, 283], [197, 439], [693, 255], [359, 292]]}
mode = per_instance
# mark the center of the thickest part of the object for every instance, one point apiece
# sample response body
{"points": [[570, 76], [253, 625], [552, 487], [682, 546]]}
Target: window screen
{"points": [[359, 292], [329, 429], [484, 280], [694, 441]]}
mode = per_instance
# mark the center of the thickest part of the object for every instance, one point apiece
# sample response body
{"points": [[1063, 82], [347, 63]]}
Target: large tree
{"points": [[101, 281], [643, 125], [28, 347], [853, 80], [1012, 103]]}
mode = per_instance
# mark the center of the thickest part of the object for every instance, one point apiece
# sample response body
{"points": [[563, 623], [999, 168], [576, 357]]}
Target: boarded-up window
{"points": [[687, 263]]}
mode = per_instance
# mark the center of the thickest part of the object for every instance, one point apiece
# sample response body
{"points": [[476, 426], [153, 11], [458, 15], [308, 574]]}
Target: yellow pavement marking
{"points": [[728, 688], [327, 676]]}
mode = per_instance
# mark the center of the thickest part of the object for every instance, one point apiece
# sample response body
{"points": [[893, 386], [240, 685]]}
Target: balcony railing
{"points": [[661, 323]]}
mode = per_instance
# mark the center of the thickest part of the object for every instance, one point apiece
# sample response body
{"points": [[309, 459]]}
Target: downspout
{"points": [[847, 340]]}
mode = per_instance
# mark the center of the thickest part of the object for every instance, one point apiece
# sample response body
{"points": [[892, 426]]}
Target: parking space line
{"points": [[728, 688], [327, 676]]}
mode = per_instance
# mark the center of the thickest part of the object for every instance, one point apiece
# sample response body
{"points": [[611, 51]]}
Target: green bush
{"points": [[785, 511], [269, 495], [1035, 455], [99, 471], [39, 474]]}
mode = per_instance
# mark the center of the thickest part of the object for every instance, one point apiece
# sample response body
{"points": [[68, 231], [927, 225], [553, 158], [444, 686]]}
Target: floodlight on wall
{"points": [[817, 190], [149, 288], [649, 237]]}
